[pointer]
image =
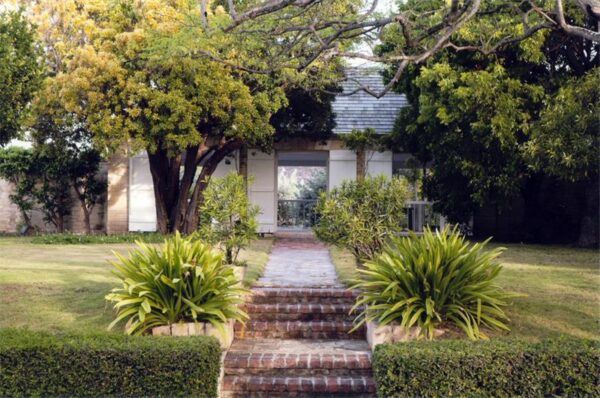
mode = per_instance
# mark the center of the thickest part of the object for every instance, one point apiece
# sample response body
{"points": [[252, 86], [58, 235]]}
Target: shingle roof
{"points": [[362, 110]]}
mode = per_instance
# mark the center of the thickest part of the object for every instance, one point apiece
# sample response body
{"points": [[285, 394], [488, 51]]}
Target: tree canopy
{"points": [[20, 72], [493, 122]]}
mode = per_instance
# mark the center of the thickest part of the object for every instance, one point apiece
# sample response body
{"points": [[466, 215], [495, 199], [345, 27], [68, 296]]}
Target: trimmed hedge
{"points": [[34, 364], [563, 367]]}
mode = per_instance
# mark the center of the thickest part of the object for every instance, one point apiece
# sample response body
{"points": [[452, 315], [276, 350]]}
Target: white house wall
{"points": [[262, 169], [379, 163], [342, 166], [142, 208], [227, 165]]}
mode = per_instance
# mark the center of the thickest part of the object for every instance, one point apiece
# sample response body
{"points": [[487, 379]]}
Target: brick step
{"points": [[324, 285], [287, 295], [298, 386], [293, 364], [299, 312], [298, 330]]}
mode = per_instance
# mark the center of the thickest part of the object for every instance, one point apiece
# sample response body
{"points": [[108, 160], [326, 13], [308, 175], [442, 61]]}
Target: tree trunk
{"points": [[176, 210], [190, 223], [588, 227], [86, 221], [60, 223], [361, 164], [243, 171], [165, 181]]}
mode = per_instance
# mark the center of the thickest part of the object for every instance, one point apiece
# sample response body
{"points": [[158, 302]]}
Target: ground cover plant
{"points": [[425, 281], [184, 280]]}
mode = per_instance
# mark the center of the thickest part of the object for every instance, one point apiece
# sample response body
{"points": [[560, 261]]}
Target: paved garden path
{"points": [[297, 341], [299, 261]]}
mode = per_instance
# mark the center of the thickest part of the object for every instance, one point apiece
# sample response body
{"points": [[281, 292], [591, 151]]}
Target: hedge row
{"points": [[75, 239], [488, 369], [34, 364]]}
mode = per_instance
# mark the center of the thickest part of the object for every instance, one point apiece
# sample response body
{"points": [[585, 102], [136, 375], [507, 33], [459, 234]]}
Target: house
{"points": [[130, 202]]}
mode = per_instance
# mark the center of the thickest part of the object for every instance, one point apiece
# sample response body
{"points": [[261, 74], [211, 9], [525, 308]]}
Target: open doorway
{"points": [[301, 177]]}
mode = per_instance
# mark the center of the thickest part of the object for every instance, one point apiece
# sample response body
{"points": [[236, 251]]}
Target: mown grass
{"points": [[561, 287], [61, 288]]}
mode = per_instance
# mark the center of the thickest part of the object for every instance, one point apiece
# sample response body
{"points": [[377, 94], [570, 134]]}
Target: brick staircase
{"points": [[296, 344]]}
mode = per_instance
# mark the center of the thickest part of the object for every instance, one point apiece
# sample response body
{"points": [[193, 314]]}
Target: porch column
{"points": [[262, 168], [342, 166]]}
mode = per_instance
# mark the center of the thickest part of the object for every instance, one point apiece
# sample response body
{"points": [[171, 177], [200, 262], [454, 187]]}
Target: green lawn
{"points": [[61, 288], [562, 287]]}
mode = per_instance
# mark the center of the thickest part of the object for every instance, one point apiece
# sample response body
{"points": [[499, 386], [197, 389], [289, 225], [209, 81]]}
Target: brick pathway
{"points": [[296, 343]]}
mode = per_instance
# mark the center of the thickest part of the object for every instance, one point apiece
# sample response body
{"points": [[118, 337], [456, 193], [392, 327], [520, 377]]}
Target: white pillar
{"points": [[342, 166], [262, 189], [142, 207], [379, 163]]}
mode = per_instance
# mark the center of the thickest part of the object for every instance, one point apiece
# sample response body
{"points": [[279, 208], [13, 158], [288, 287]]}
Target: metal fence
{"points": [[296, 213]]}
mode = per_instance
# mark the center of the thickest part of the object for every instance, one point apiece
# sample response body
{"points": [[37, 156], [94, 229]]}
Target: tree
{"points": [[136, 85], [16, 166], [20, 72], [361, 141], [565, 143], [307, 114], [477, 117], [424, 28], [66, 142], [52, 188]]}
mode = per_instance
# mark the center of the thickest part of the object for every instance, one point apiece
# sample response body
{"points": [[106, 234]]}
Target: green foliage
{"points": [[16, 166], [565, 140], [227, 218], [361, 140], [308, 114], [426, 281], [184, 281], [52, 185], [36, 364], [74, 239], [21, 70], [65, 144], [477, 115], [360, 215], [562, 367]]}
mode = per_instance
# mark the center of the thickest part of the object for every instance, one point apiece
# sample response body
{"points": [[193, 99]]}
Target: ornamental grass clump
{"points": [[433, 279], [184, 281]]}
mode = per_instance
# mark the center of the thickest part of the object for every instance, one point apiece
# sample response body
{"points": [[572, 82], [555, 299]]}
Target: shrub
{"points": [[227, 218], [564, 367], [424, 281], [361, 215], [185, 281], [75, 239], [35, 364]]}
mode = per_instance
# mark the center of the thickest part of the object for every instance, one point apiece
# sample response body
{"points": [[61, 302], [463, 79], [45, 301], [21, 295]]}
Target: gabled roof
{"points": [[361, 110]]}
